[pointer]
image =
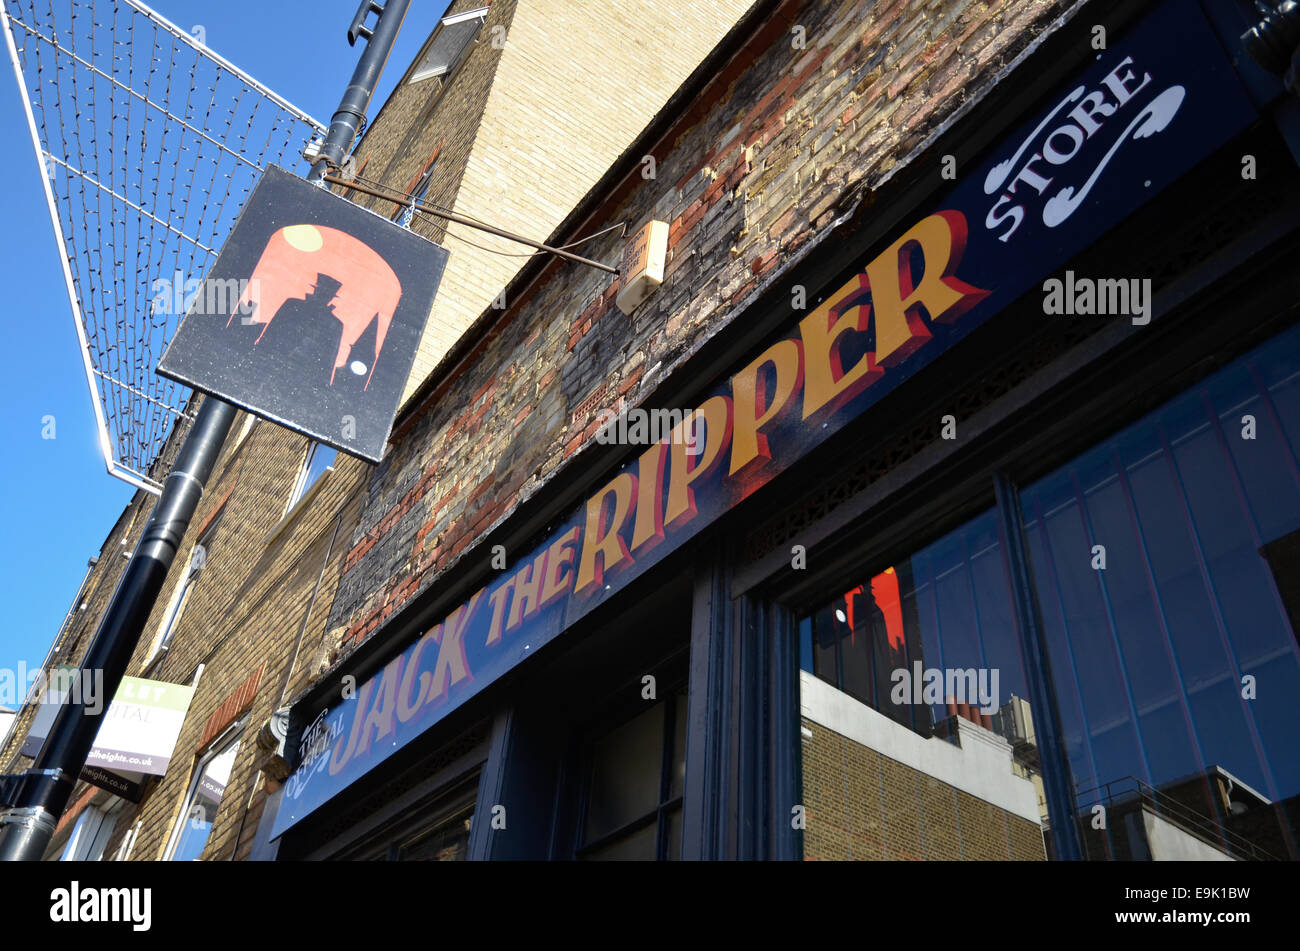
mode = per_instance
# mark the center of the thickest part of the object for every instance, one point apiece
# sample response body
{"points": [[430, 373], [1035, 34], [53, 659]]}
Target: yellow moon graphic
{"points": [[303, 237]]}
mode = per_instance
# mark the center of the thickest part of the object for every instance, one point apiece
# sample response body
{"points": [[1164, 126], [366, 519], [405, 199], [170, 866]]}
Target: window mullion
{"points": [[1057, 785]]}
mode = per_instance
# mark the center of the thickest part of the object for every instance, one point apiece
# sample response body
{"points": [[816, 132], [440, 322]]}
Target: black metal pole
{"points": [[41, 794], [43, 791], [351, 112]]}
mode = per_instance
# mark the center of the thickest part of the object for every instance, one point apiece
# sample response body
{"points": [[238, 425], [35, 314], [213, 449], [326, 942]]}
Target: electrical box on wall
{"points": [[642, 269]]}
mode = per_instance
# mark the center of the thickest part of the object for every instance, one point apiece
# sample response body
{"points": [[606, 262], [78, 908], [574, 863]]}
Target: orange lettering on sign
{"points": [[379, 721], [499, 599], [603, 548], [685, 466], [754, 408], [452, 666], [886, 287], [648, 530], [559, 577], [528, 586], [406, 704], [337, 762], [899, 302], [827, 384]]}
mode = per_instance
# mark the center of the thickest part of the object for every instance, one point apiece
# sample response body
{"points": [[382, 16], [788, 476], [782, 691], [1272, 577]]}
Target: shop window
{"points": [[203, 799], [637, 771], [1164, 559], [946, 608], [927, 711], [444, 840], [1164, 566], [437, 830], [195, 565], [320, 459]]}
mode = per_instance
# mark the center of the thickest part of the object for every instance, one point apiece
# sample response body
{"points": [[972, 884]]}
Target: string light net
{"points": [[149, 144]]}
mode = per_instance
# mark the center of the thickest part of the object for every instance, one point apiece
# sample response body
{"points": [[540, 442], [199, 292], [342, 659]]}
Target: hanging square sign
{"points": [[311, 315]]}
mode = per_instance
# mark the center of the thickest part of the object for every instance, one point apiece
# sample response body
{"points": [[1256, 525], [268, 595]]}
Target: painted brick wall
{"points": [[762, 162], [861, 805]]}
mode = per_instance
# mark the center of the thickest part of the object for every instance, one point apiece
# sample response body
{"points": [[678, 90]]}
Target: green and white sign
{"points": [[137, 734]]}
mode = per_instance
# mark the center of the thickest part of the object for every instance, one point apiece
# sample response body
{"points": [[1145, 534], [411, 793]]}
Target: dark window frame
{"points": [[669, 686], [448, 803]]}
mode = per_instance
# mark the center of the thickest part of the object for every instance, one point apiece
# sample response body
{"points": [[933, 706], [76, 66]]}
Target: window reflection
{"points": [[1175, 662], [200, 811], [1165, 564], [927, 748]]}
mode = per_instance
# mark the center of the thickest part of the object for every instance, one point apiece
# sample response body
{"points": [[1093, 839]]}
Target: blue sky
{"points": [[58, 503]]}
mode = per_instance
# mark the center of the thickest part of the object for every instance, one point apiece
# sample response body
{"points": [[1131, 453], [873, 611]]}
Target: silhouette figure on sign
{"points": [[291, 268], [305, 334]]}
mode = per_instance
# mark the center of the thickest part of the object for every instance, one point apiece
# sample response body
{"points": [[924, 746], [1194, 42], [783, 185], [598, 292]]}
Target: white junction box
{"points": [[642, 269]]}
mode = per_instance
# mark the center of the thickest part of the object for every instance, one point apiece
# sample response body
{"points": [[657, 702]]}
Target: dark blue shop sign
{"points": [[1141, 116]]}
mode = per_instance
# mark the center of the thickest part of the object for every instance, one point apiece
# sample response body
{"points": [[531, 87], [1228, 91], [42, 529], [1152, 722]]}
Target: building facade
{"points": [[500, 97], [940, 504], [971, 563]]}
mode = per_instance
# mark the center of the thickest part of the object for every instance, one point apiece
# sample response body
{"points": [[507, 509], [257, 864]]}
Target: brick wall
{"points": [[440, 113], [247, 608], [861, 805], [538, 109], [576, 82], [760, 162], [245, 612], [256, 594]]}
